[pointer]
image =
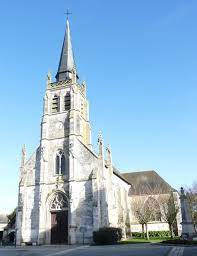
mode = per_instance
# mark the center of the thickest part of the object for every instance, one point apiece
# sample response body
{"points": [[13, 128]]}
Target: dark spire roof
{"points": [[67, 63]]}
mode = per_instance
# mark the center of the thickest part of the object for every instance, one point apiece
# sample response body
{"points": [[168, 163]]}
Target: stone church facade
{"points": [[67, 191]]}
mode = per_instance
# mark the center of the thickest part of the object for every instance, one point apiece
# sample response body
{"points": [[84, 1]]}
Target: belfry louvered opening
{"points": [[67, 101], [55, 104]]}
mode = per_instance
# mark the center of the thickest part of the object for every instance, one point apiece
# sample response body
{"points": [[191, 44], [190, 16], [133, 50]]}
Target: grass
{"points": [[142, 240], [164, 240]]}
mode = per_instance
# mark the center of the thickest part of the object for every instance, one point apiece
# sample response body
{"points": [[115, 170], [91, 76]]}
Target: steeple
{"points": [[66, 69]]}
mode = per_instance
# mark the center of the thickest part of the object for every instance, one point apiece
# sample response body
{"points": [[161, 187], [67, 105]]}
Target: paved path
{"points": [[109, 250]]}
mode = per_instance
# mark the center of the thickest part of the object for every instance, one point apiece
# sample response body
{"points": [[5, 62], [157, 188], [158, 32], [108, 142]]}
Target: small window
{"points": [[57, 164], [63, 164], [55, 104], [67, 102], [60, 163]]}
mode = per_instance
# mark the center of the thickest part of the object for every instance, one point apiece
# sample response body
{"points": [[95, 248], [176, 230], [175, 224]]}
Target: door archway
{"points": [[59, 218]]}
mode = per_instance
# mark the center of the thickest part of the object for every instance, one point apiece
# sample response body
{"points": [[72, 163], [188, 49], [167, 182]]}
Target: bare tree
{"points": [[169, 210], [192, 199], [144, 210], [149, 205]]}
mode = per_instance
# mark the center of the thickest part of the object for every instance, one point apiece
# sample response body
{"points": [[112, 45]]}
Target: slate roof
{"points": [[147, 182], [67, 63]]}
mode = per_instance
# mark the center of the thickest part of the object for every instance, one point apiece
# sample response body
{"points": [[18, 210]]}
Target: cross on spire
{"points": [[67, 13]]}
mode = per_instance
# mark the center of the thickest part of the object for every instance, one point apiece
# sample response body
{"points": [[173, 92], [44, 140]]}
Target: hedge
{"points": [[107, 235], [152, 234]]}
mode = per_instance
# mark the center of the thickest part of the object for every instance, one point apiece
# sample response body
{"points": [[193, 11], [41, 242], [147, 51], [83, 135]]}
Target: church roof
{"points": [[67, 63], [117, 173], [147, 182]]}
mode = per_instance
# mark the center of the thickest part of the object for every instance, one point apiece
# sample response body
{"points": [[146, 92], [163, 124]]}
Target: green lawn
{"points": [[141, 240]]}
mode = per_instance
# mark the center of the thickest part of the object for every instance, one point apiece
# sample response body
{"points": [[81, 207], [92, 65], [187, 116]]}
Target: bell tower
{"points": [[66, 109], [65, 119]]}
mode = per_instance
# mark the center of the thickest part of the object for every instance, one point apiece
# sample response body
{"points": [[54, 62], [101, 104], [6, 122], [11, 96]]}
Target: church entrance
{"points": [[59, 219], [59, 227]]}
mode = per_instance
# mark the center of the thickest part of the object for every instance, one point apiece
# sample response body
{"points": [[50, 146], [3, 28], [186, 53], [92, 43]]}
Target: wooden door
{"points": [[59, 227]]}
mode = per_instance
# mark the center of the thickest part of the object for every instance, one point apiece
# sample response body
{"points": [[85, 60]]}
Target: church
{"points": [[66, 190]]}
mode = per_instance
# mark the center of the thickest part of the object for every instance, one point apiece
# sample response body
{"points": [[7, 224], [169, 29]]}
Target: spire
{"points": [[66, 67], [23, 158], [49, 78], [108, 155], [100, 145]]}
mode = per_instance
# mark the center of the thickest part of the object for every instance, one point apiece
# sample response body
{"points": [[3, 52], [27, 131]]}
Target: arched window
{"points": [[63, 164], [67, 101], [59, 202], [60, 163], [57, 164], [55, 104], [153, 205]]}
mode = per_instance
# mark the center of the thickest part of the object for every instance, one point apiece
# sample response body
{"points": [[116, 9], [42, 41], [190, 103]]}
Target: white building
{"points": [[67, 191]]}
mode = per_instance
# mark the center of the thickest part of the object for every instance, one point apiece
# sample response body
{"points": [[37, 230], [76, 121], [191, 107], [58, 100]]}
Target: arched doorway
{"points": [[59, 218]]}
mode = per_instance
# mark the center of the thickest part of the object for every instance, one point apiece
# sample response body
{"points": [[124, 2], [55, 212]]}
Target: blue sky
{"points": [[139, 59]]}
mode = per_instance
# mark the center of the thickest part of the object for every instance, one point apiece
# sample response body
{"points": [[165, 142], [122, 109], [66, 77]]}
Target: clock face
{"points": [[59, 125]]}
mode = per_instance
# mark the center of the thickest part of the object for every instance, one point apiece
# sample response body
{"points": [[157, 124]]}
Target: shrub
{"points": [[137, 234], [107, 235], [159, 233], [152, 234]]}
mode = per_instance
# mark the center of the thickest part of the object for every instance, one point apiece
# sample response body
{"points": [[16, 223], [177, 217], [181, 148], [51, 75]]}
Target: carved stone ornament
{"points": [[61, 83], [100, 138], [49, 77], [59, 202], [57, 182], [68, 81]]}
